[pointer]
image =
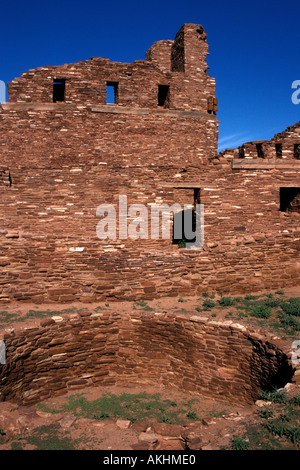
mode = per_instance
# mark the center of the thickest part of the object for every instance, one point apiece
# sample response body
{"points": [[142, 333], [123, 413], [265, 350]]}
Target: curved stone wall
{"points": [[221, 360]]}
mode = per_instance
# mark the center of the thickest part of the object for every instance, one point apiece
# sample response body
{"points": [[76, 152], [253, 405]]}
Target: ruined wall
{"points": [[60, 161], [85, 81], [49, 248], [223, 361], [283, 146]]}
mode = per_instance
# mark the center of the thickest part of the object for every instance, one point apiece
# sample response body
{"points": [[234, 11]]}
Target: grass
{"points": [[133, 407], [277, 427], [47, 438], [47, 313], [143, 305], [5, 316], [208, 304], [240, 443], [280, 311], [283, 312]]}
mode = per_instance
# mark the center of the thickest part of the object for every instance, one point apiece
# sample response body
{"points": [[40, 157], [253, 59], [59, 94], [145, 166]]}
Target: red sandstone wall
{"points": [[138, 82], [63, 164], [224, 361], [60, 161]]}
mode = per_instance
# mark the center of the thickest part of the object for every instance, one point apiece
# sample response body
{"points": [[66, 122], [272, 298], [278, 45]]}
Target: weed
{"points": [[260, 311], [206, 295], [139, 407], [291, 306], [101, 416], [47, 438], [229, 314], [165, 419], [98, 309], [16, 446], [240, 443], [289, 323], [295, 401], [251, 297], [46, 313], [208, 304], [46, 409], [292, 433], [199, 309], [274, 395], [226, 301], [266, 413], [192, 415], [143, 305], [5, 316]]}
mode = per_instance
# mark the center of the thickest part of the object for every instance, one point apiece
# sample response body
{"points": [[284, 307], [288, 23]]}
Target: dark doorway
{"points": [[290, 200], [163, 95], [59, 86], [278, 148]]}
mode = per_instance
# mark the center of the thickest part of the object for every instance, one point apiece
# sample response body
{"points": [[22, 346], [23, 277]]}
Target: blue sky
{"points": [[254, 49]]}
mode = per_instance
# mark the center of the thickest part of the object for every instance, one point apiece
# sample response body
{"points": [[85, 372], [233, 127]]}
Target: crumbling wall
{"points": [[85, 81]]}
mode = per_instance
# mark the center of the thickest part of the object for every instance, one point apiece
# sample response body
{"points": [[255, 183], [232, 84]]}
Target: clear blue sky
{"points": [[254, 48]]}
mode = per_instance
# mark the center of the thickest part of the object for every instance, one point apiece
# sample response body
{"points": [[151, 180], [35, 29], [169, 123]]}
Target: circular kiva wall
{"points": [[189, 353]]}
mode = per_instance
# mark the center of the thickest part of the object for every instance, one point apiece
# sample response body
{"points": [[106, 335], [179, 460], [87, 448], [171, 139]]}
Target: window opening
{"points": [[260, 151], [297, 151], [278, 148], [163, 95], [59, 86], [184, 223], [290, 200], [112, 91]]}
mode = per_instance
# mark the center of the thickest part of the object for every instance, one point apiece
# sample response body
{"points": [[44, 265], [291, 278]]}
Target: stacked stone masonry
{"points": [[158, 143], [185, 352]]}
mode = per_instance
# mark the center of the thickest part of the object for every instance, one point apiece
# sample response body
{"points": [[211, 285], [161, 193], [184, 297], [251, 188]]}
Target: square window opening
{"points": [[59, 86], [290, 200], [163, 95], [112, 92]]}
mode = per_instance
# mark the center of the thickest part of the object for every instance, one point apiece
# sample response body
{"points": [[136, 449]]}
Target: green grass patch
{"points": [[240, 443], [133, 407], [226, 301], [143, 305], [46, 438], [208, 304], [5, 316]]}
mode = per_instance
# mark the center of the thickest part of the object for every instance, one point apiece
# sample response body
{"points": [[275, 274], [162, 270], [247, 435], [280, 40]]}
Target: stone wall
{"points": [[220, 360], [60, 161]]}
